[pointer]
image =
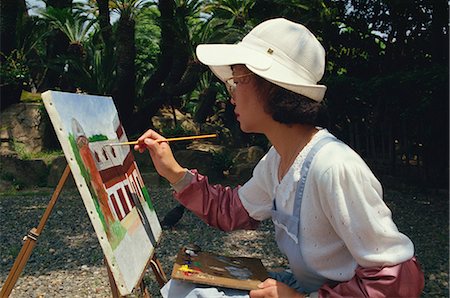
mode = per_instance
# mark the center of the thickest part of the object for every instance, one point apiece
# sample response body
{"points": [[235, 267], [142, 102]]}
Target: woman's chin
{"points": [[246, 129]]}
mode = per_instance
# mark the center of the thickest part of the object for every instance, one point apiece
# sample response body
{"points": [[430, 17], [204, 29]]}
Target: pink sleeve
{"points": [[402, 280], [216, 205]]}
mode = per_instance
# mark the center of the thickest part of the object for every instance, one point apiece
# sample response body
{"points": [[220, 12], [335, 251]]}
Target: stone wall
{"points": [[26, 124], [25, 128]]}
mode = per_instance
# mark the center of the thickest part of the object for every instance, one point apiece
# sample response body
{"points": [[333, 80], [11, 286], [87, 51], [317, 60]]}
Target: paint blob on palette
{"points": [[207, 268]]}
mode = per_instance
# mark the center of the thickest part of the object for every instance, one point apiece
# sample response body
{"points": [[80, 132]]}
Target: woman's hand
{"points": [[161, 155], [271, 288]]}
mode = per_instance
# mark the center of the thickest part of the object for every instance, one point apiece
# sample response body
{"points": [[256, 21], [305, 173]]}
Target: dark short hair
{"points": [[288, 107]]}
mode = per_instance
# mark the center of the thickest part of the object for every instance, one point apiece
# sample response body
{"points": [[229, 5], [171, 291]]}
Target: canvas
{"points": [[109, 181]]}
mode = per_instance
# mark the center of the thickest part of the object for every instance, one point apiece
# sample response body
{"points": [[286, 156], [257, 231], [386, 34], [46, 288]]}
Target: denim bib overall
{"points": [[287, 229]]}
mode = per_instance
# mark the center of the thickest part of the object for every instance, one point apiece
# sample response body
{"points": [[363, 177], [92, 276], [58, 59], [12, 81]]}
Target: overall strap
{"points": [[305, 169]]}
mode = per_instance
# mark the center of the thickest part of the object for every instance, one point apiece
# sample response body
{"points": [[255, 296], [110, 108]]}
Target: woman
{"points": [[326, 204]]}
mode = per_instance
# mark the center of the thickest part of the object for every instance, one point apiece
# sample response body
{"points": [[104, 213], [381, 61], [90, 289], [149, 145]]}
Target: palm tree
{"points": [[76, 27], [56, 46], [177, 73], [74, 24], [124, 93], [97, 73], [104, 22]]}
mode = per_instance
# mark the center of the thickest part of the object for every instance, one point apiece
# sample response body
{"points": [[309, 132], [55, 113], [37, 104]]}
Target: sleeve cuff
{"points": [[183, 182]]}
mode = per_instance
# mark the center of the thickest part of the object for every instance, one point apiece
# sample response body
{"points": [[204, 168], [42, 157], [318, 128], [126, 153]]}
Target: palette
{"points": [[207, 268]]}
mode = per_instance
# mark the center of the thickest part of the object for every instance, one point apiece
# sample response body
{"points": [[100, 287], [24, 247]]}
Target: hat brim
{"points": [[219, 57]]}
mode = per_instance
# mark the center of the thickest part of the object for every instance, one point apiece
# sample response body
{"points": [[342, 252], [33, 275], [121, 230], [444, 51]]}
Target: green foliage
{"points": [[96, 73], [387, 61], [192, 101], [176, 131], [15, 185], [235, 11], [32, 97], [24, 154], [129, 9], [14, 69], [74, 24], [25, 65], [148, 35]]}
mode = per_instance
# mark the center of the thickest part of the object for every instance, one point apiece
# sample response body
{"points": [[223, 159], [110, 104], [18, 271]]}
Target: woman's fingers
{"points": [[147, 140]]}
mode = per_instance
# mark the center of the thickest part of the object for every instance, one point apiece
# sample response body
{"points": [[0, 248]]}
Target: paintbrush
{"points": [[168, 140]]}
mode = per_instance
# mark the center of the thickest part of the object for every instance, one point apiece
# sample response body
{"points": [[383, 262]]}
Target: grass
{"points": [[24, 154]]}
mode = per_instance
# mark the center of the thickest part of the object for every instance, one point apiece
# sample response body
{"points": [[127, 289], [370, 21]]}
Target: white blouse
{"points": [[344, 221]]}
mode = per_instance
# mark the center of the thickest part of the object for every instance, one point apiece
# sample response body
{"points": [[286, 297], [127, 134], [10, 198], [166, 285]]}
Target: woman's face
{"points": [[248, 104]]}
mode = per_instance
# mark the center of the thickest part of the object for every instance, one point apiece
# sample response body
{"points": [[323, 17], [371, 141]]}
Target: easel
{"points": [[33, 235]]}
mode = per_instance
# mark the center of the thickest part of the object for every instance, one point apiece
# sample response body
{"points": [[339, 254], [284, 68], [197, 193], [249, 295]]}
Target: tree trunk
{"points": [[206, 103], [104, 22], [181, 46], [125, 92], [155, 82], [57, 45], [190, 78], [177, 72]]}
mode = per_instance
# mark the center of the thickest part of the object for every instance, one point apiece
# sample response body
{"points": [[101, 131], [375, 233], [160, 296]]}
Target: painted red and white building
{"points": [[119, 172]]}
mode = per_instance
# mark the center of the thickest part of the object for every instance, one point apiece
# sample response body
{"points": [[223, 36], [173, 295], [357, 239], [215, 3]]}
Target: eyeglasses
{"points": [[231, 84]]}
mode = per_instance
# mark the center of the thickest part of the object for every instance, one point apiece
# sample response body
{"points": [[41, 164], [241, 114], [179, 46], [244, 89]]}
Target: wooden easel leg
{"points": [[30, 240], [112, 283], [144, 290], [19, 264], [159, 272]]}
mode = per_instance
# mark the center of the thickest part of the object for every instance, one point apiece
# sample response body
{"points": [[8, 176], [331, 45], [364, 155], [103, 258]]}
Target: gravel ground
{"points": [[68, 262]]}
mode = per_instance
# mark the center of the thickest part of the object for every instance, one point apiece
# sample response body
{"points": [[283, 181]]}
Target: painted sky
{"points": [[94, 113]]}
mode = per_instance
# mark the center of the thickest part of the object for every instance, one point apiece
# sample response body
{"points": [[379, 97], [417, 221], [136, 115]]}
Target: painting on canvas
{"points": [[108, 179]]}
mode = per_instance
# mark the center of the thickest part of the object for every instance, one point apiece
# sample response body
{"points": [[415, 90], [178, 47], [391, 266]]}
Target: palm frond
{"points": [[74, 24], [129, 8]]}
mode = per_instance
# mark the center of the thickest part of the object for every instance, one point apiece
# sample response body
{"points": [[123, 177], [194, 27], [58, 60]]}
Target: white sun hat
{"points": [[283, 52]]}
